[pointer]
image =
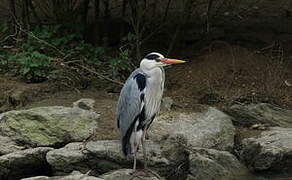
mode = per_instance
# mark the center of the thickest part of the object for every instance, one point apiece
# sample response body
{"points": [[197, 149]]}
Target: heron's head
{"points": [[154, 59]]}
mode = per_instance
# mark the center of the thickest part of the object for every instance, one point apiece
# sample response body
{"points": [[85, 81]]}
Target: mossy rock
{"points": [[48, 126]]}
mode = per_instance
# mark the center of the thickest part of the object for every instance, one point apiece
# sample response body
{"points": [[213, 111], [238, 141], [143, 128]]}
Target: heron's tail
{"points": [[131, 142], [126, 146]]}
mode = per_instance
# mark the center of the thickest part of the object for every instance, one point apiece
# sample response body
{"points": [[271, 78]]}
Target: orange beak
{"points": [[171, 61]]}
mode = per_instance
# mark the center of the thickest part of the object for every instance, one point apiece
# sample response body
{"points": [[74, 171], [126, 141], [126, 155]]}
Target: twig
{"points": [[88, 69], [63, 54], [17, 25], [7, 37], [208, 15], [31, 6], [73, 61], [153, 32], [166, 10], [287, 83], [100, 75], [185, 17], [43, 41]]}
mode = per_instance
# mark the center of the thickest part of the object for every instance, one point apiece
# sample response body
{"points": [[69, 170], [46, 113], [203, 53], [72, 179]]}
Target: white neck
{"points": [[154, 91]]}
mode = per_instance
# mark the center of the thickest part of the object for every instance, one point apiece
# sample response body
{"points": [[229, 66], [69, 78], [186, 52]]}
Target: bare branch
{"points": [[43, 41], [166, 10], [210, 2], [100, 75]]}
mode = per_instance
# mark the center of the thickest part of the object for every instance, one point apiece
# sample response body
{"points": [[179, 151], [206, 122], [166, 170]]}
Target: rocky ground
{"points": [[63, 142]]}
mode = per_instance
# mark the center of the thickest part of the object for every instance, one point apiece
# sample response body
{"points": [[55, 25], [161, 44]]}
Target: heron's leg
{"points": [[144, 148], [135, 149], [135, 161]]}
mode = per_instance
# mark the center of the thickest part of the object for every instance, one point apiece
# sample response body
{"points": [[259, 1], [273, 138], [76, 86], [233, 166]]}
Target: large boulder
{"points": [[263, 113], [272, 150], [8, 146], [103, 156], [214, 164], [75, 175], [126, 174], [206, 128], [48, 126], [24, 163]]}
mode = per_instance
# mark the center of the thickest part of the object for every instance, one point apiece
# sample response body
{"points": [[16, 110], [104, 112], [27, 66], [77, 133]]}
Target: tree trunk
{"points": [[208, 15], [85, 11], [136, 16], [85, 7], [25, 14], [125, 3], [13, 15], [185, 17], [32, 8], [12, 7], [166, 10], [96, 9], [106, 8]]}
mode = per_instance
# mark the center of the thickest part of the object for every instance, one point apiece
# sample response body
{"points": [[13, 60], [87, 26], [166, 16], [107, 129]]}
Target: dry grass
{"points": [[230, 74]]}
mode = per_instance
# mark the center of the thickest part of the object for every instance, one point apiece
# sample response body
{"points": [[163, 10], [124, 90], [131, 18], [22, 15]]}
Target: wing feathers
{"points": [[126, 146], [141, 81], [130, 107]]}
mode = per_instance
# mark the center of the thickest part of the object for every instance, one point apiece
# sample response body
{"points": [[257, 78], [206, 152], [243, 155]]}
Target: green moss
{"points": [[49, 125]]}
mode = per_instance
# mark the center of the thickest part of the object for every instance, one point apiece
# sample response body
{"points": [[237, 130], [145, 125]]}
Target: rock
{"points": [[84, 103], [166, 103], [18, 96], [213, 164], [207, 128], [104, 156], [24, 163], [8, 146], [75, 175], [48, 126], [69, 158], [263, 113], [272, 150], [126, 174]]}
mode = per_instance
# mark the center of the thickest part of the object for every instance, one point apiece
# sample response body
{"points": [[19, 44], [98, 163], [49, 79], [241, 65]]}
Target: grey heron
{"points": [[139, 102]]}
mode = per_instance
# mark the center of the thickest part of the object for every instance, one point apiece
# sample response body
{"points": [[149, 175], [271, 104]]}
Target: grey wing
{"points": [[130, 101]]}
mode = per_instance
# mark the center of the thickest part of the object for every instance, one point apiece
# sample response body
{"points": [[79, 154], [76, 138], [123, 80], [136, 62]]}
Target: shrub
{"points": [[121, 65], [51, 52], [33, 66]]}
